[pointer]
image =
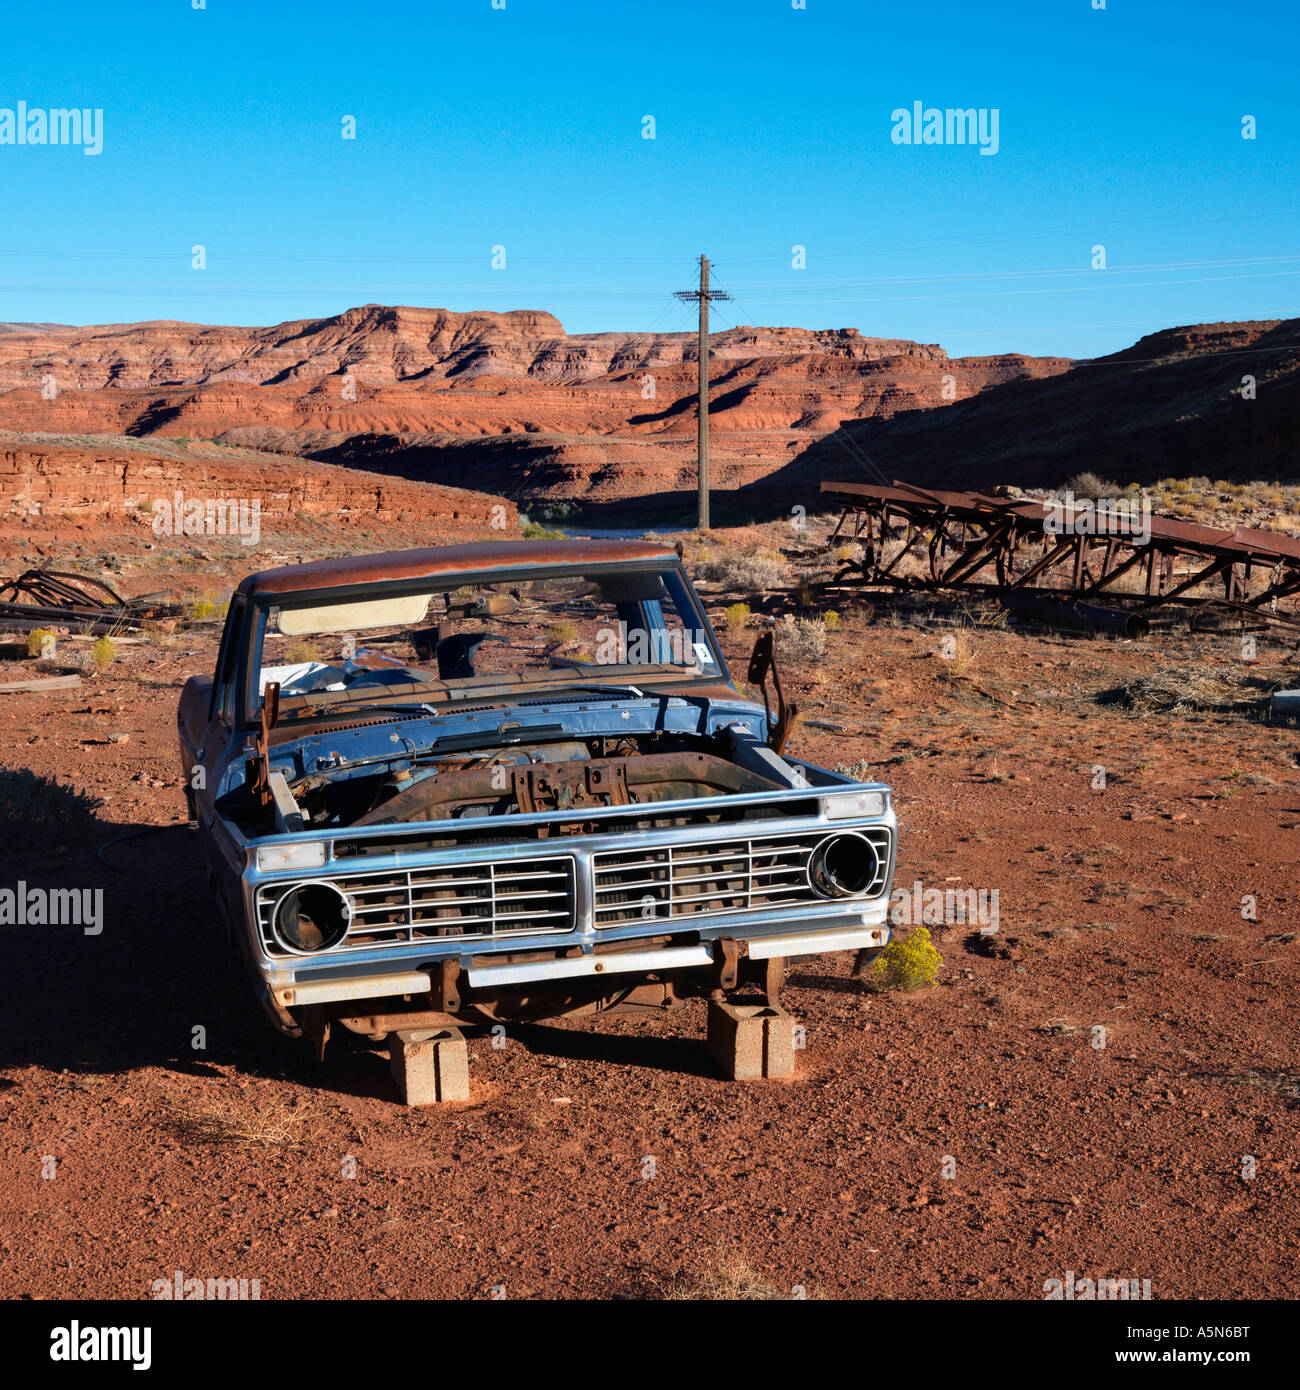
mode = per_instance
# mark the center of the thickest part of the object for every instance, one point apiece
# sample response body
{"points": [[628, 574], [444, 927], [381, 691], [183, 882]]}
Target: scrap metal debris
{"points": [[972, 542], [55, 598]]}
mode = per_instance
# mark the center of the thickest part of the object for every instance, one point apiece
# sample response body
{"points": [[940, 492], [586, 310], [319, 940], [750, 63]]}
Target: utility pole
{"points": [[702, 297]]}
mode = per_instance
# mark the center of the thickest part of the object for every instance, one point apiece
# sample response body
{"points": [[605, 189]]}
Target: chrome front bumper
{"points": [[310, 988], [584, 948]]}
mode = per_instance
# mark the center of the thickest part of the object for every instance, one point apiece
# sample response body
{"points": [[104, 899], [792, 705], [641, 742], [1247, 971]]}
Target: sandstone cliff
{"points": [[508, 401], [104, 493]]}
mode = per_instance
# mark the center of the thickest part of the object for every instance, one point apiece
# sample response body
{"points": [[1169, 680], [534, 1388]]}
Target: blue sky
{"points": [[479, 127]]}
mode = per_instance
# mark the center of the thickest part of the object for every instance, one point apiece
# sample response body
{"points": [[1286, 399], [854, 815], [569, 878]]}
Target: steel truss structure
{"points": [[973, 542]]}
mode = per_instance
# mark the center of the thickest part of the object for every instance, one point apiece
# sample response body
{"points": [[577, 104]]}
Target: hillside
{"points": [[541, 412], [1172, 405], [68, 496]]}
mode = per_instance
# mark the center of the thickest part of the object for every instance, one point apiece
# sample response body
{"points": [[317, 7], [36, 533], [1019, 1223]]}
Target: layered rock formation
{"points": [[509, 401], [111, 489], [1220, 400]]}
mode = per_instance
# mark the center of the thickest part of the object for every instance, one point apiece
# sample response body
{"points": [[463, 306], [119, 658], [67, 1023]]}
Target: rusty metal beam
{"points": [[985, 532]]}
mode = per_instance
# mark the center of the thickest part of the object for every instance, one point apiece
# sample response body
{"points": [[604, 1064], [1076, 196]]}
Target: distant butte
{"points": [[504, 402]]}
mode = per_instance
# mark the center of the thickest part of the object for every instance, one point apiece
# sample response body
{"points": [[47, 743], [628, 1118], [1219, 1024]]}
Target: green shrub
{"points": [[535, 531], [103, 653], [908, 964]]}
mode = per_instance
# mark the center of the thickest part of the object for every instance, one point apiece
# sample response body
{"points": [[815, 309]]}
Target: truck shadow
{"points": [[137, 972], [685, 1056], [146, 977]]}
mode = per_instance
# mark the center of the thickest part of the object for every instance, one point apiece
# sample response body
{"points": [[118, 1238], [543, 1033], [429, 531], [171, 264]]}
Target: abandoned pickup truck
{"points": [[511, 781]]}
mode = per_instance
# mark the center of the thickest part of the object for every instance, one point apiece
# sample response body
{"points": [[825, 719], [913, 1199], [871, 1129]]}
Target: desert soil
{"points": [[1118, 1154]]}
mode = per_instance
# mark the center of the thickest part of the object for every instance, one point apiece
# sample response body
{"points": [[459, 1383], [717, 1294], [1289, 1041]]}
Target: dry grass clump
{"points": [[745, 573], [957, 655], [302, 650], [800, 639], [978, 614], [914, 563], [1089, 485], [1284, 1083], [240, 1124], [732, 1279], [1188, 689]]}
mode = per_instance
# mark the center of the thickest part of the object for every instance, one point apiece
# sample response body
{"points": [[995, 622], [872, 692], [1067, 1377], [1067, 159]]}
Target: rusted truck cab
{"points": [[475, 784]]}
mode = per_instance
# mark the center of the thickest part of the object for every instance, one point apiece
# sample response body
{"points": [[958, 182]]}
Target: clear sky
{"points": [[523, 128]]}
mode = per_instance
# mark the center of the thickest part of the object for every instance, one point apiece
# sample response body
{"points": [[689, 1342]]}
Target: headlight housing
{"points": [[843, 865], [311, 917]]}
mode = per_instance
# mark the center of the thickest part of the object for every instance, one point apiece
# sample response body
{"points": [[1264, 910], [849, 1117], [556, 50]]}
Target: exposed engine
{"points": [[562, 776], [499, 786]]}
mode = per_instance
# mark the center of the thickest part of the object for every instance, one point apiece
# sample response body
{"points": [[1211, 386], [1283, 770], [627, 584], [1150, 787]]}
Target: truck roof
{"points": [[440, 561]]}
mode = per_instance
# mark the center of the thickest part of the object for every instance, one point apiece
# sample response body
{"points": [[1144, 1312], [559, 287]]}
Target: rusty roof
{"points": [[437, 562]]}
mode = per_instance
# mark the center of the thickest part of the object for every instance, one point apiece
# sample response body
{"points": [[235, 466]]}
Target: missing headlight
{"points": [[843, 865], [311, 917]]}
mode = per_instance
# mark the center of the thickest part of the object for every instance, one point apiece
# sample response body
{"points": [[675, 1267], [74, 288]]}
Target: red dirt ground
{"points": [[1120, 908]]}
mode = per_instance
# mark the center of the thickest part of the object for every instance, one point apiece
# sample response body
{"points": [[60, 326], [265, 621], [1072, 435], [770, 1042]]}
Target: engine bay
{"points": [[569, 774]]}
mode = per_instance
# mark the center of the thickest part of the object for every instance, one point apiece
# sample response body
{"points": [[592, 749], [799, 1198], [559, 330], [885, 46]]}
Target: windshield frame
{"points": [[257, 610]]}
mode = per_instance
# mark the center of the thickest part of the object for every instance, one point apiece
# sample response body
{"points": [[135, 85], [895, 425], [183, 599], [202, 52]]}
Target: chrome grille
{"points": [[508, 897], [706, 877]]}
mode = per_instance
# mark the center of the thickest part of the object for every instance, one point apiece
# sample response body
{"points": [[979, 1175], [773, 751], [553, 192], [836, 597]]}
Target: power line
{"points": [[1099, 226], [702, 297]]}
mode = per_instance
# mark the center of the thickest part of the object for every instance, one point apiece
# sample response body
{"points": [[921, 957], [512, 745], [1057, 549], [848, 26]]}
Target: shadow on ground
{"points": [[130, 994], [679, 1055]]}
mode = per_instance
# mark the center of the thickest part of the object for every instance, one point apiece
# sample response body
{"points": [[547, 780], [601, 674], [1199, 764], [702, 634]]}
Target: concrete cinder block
{"points": [[430, 1066], [749, 1041]]}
